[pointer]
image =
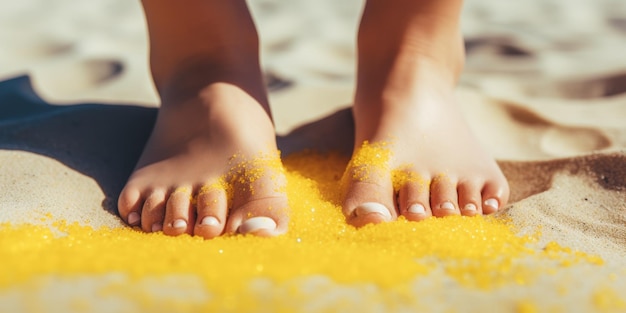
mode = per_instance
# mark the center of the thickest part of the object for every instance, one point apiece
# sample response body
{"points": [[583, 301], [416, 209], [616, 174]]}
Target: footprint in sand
{"points": [[618, 23], [61, 78], [559, 140], [497, 45], [23, 53], [523, 134], [595, 87], [508, 55], [275, 82], [569, 141], [499, 54], [40, 49]]}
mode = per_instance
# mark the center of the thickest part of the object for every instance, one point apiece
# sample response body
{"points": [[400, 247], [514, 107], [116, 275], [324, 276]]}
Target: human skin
{"points": [[410, 55], [205, 65]]}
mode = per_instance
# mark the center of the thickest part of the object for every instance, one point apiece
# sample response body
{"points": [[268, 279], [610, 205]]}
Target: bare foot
{"points": [[420, 158], [428, 152], [210, 167]]}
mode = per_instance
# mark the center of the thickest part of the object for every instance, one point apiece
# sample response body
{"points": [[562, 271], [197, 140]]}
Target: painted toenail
{"points": [[373, 207], [470, 207], [133, 218], [157, 227], [447, 206], [417, 209], [257, 223], [210, 221], [493, 203], [179, 224]]}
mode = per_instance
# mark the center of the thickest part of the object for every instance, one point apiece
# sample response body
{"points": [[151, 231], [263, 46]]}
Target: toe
{"points": [[179, 216], [264, 217], [369, 203], [211, 213], [258, 225], [470, 197], [495, 195], [443, 197], [413, 201], [153, 211], [129, 205]]}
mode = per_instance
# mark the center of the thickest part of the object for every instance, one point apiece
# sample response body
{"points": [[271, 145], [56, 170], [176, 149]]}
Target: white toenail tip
{"points": [[417, 209], [210, 221], [447, 206], [470, 207], [373, 207], [257, 223], [179, 224], [133, 218], [493, 203], [157, 227]]}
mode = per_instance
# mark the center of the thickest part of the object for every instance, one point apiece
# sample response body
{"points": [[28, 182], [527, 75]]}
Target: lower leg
{"points": [[410, 54]]}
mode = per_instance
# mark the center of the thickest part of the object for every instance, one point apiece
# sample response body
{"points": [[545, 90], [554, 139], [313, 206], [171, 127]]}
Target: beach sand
{"points": [[544, 89]]}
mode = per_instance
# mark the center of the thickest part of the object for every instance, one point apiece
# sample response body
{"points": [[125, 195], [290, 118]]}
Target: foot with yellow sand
{"points": [[211, 164], [414, 154]]}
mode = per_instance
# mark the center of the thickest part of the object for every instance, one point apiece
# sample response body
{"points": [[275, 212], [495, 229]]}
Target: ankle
{"points": [[413, 56], [407, 47], [222, 113], [416, 63], [202, 76]]}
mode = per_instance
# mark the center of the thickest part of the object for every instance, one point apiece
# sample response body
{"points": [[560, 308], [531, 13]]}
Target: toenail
{"points": [[417, 209], [179, 224], [492, 203], [210, 221], [256, 224], [470, 207], [447, 206], [373, 207], [133, 218], [157, 227]]}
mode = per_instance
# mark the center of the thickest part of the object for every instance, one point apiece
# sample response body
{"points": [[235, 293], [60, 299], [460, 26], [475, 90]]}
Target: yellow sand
{"points": [[478, 252]]}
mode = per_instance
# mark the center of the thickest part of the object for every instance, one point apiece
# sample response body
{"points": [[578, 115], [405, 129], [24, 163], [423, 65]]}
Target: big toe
{"points": [[265, 217], [369, 203]]}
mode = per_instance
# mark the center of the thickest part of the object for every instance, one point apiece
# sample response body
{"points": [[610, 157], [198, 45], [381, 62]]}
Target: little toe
{"points": [[211, 211], [494, 196], [369, 203], [470, 198], [179, 216], [491, 205], [129, 206], [153, 211], [413, 201], [443, 197]]}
